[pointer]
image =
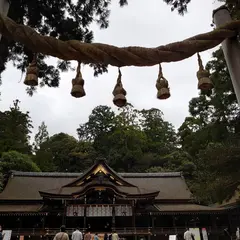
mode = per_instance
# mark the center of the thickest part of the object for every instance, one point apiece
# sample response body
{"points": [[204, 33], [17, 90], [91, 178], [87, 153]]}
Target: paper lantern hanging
{"points": [[119, 92], [162, 86], [31, 78], [204, 81], [78, 84]]}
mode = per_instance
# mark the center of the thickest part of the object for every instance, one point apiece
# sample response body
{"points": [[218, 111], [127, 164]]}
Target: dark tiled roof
{"points": [[20, 208], [72, 175], [26, 185], [190, 207]]}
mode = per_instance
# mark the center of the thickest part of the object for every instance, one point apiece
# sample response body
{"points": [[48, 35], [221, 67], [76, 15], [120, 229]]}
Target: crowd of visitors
{"points": [[78, 235]]}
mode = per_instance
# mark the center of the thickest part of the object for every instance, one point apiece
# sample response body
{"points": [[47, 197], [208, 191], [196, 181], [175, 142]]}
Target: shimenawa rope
{"points": [[112, 55]]}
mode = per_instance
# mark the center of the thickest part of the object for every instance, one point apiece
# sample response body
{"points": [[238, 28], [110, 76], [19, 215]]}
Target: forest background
{"points": [[205, 148]]}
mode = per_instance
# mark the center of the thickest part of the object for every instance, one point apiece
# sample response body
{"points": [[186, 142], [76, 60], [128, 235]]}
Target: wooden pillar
{"points": [[113, 215], [149, 226], [230, 228], [133, 215], [64, 212], [174, 223], [134, 218], [43, 222], [85, 214], [213, 221]]}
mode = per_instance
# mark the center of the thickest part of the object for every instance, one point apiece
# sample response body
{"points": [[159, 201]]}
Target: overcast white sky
{"points": [[141, 23]]}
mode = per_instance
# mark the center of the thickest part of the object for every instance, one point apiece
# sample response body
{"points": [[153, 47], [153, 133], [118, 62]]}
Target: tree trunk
{"points": [[4, 7]]}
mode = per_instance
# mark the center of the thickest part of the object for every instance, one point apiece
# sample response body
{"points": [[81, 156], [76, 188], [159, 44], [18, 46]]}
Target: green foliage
{"points": [[207, 135], [41, 136], [217, 169], [131, 140], [15, 129], [57, 18], [63, 153], [14, 160], [214, 115]]}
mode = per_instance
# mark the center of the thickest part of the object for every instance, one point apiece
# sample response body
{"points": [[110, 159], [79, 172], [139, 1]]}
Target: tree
{"points": [[41, 136], [64, 20], [131, 140], [161, 134], [14, 160], [214, 115], [100, 121], [181, 5], [15, 129], [217, 169], [63, 153], [207, 136]]}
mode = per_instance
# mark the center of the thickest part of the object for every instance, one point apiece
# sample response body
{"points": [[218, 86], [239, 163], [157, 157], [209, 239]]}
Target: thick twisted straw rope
{"points": [[115, 56]]}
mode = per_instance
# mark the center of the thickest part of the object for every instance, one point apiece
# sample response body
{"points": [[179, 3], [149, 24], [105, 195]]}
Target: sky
{"points": [[138, 24]]}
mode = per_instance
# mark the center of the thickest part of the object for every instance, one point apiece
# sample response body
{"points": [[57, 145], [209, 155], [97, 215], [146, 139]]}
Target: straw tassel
{"points": [[204, 82], [31, 78], [78, 84], [162, 85], [119, 92]]}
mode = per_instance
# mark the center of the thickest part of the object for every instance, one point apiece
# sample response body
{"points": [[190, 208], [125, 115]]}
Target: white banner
{"points": [[99, 211], [75, 211], [123, 210]]}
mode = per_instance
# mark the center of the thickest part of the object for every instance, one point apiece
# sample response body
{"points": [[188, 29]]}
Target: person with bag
{"points": [[188, 235], [62, 235]]}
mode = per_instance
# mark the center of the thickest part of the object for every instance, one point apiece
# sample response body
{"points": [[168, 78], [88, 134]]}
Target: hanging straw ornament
{"points": [[119, 92], [31, 78], [204, 82], [162, 85], [77, 84]]}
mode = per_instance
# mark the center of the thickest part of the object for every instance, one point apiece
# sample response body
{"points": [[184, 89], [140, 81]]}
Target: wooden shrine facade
{"points": [[151, 205]]}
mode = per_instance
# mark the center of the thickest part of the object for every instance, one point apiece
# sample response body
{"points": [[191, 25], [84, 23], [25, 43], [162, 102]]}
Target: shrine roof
{"points": [[20, 208], [26, 185], [189, 207], [75, 175], [163, 186]]}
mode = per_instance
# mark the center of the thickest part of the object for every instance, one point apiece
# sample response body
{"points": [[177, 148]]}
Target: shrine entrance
{"points": [[99, 224]]}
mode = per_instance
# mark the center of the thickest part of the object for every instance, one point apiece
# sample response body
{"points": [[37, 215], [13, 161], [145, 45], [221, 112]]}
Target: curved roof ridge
{"points": [[68, 174]]}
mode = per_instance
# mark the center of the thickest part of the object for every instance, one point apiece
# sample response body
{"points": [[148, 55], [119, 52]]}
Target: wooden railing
{"points": [[121, 231]]}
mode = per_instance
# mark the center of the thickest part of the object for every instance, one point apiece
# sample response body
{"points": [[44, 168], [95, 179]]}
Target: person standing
{"points": [[115, 236], [62, 235], [238, 234], [1, 233], [188, 235], [105, 236], [88, 236], [77, 235], [96, 236]]}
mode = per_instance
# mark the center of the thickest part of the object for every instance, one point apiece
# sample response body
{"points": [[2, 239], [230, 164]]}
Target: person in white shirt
{"points": [[115, 236], [238, 234], [188, 235], [77, 235]]}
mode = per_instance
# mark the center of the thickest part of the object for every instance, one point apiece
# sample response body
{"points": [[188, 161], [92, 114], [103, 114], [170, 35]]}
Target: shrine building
{"points": [[136, 205]]}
